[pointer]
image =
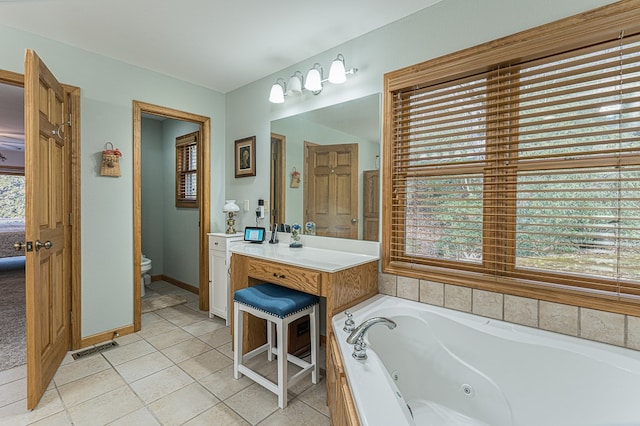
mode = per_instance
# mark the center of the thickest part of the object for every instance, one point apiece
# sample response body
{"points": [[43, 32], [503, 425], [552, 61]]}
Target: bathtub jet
{"points": [[356, 338]]}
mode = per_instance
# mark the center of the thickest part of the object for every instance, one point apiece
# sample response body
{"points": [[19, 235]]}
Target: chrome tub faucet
{"points": [[356, 338]]}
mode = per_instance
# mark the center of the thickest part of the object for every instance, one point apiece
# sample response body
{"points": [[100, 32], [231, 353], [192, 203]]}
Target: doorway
{"points": [[203, 167]]}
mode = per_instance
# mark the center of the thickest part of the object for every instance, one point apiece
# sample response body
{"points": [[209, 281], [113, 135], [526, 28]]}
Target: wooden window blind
{"points": [[520, 171], [187, 170]]}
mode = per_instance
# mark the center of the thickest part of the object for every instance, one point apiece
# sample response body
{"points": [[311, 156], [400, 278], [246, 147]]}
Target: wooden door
{"points": [[370, 205], [332, 189], [48, 278]]}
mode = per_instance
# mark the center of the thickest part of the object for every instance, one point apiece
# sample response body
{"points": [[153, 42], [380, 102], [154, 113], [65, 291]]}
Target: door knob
{"points": [[354, 220], [18, 246], [46, 244]]}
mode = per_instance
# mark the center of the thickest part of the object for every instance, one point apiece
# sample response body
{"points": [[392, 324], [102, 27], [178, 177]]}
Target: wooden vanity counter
{"points": [[342, 278]]}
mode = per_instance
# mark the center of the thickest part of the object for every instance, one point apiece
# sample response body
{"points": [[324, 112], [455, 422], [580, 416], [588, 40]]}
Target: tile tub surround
{"points": [[177, 370], [590, 324]]}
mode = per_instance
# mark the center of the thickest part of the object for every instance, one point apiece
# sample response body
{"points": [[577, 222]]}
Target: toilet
{"points": [[145, 266]]}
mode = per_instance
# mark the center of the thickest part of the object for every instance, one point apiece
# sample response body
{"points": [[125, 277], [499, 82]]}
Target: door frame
{"points": [[203, 191], [277, 188]]}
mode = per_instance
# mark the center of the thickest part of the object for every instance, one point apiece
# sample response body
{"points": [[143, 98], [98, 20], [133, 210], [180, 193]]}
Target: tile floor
{"points": [[178, 370]]}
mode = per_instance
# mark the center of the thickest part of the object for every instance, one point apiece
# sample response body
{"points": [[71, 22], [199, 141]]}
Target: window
{"points": [[187, 170], [514, 166]]}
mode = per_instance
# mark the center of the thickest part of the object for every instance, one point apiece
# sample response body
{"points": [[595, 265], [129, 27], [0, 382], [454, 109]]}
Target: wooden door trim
{"points": [[73, 93], [281, 161], [204, 179]]}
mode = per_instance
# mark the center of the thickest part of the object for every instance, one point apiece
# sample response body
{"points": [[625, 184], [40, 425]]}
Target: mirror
{"points": [[355, 125]]}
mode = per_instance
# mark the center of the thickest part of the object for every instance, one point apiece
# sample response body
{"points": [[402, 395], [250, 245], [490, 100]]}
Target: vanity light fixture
{"points": [[314, 79], [295, 83], [313, 82], [276, 96]]}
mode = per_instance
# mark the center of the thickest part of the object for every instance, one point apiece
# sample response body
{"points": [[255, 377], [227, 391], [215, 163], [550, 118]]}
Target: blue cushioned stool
{"points": [[280, 306]]}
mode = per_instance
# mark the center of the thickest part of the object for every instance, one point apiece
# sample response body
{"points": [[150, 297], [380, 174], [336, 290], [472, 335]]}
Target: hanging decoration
{"points": [[295, 178], [110, 161]]}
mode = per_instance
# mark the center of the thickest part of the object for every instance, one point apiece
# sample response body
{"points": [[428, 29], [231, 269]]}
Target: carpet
{"points": [[154, 303], [13, 329]]}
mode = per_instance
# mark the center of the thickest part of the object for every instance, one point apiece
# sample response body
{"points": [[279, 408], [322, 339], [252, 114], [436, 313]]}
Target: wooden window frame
{"points": [[184, 144], [592, 27]]}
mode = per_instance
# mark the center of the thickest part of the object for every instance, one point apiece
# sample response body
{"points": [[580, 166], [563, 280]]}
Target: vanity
{"points": [[341, 278]]}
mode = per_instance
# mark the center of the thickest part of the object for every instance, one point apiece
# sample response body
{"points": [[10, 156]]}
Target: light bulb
{"points": [[313, 82], [337, 73], [276, 96]]}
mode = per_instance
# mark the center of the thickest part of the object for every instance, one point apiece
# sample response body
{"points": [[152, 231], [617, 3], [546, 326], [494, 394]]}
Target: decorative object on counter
{"points": [[110, 161], [274, 235], [295, 178], [295, 236], [245, 164], [230, 211], [310, 228]]}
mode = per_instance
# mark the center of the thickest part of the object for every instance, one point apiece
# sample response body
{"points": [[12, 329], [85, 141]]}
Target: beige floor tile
{"points": [[159, 327], [149, 318], [205, 364], [216, 338], [183, 404], [81, 390], [59, 419], [316, 397], [185, 350], [106, 407], [219, 415], [297, 413], [141, 417], [13, 374], [129, 338], [161, 383], [129, 352], [144, 366], [181, 316], [161, 341], [206, 326], [80, 368], [253, 403], [226, 349], [17, 413], [223, 385], [13, 391]]}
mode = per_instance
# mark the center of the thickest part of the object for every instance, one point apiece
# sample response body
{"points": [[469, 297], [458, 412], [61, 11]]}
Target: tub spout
{"points": [[356, 337]]}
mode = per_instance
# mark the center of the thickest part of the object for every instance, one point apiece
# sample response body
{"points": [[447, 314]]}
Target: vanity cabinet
{"points": [[219, 277], [339, 399]]}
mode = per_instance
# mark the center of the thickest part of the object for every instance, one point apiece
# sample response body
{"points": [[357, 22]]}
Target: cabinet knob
{"points": [[279, 275]]}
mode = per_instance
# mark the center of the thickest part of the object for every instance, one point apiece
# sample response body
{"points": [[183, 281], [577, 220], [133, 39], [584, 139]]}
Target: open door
{"points": [[47, 247]]}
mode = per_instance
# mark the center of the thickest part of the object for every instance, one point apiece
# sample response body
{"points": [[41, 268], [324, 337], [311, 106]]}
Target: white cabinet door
{"points": [[220, 288]]}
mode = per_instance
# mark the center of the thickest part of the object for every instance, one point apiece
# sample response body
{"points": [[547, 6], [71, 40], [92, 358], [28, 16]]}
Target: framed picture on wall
{"points": [[245, 164]]}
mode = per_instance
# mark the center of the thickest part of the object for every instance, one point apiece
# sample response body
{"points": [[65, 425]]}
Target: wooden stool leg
{"points": [[238, 316]]}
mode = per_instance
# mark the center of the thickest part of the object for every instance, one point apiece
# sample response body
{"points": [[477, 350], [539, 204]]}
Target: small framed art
{"points": [[245, 163]]}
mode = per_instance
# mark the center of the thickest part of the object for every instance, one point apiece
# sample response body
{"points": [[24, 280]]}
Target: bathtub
{"points": [[442, 367]]}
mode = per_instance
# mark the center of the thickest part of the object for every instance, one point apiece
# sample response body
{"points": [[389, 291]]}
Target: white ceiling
{"points": [[219, 44]]}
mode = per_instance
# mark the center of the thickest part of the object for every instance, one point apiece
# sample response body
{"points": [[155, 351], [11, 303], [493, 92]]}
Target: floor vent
{"points": [[89, 351]]}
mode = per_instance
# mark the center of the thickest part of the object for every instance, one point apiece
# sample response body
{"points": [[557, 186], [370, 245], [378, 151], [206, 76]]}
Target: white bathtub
{"points": [[453, 368]]}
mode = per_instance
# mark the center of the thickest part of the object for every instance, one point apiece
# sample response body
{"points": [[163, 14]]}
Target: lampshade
{"points": [[337, 73], [276, 96], [230, 206], [295, 83], [313, 82]]}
